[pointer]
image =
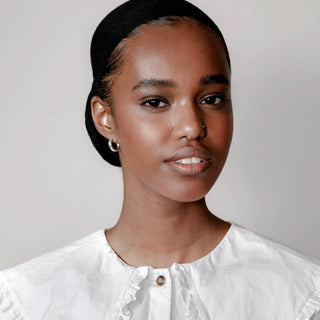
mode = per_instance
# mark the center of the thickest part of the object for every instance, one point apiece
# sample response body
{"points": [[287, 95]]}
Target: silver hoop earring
{"points": [[112, 148]]}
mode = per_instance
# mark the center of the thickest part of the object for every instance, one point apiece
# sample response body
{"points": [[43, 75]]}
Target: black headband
{"points": [[115, 27]]}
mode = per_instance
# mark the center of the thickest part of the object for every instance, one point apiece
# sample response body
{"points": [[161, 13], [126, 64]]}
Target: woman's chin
{"points": [[190, 194]]}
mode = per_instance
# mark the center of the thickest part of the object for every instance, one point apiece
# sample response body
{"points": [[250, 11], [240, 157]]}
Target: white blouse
{"points": [[245, 277]]}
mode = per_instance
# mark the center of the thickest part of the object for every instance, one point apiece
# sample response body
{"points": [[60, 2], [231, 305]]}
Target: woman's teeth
{"points": [[190, 160]]}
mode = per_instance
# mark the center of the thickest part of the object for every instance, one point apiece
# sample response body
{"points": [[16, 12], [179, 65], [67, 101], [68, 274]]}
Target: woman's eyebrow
{"points": [[167, 83], [154, 82], [215, 78]]}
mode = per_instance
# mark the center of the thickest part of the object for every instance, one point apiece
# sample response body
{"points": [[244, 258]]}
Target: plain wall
{"points": [[55, 188]]}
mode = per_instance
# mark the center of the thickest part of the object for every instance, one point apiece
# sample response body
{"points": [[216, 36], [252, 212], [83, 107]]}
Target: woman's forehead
{"points": [[183, 25], [173, 58], [173, 46]]}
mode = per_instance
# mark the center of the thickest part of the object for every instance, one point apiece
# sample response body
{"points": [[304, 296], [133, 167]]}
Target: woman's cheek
{"points": [[221, 130], [141, 138]]}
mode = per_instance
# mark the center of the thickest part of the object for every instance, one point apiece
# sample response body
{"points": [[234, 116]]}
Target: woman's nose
{"points": [[188, 122]]}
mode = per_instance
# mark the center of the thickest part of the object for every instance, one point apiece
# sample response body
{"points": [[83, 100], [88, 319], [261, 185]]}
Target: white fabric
{"points": [[246, 277]]}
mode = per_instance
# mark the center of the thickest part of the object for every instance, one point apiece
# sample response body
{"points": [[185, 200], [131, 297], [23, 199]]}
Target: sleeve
{"points": [[10, 308], [311, 310]]}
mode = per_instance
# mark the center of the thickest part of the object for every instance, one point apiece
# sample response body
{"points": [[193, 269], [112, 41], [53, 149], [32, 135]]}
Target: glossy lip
{"points": [[190, 169]]}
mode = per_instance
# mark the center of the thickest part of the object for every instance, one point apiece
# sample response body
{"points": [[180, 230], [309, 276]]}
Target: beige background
{"points": [[54, 187]]}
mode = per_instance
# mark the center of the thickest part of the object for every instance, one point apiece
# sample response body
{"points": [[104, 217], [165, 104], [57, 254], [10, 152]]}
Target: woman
{"points": [[160, 108]]}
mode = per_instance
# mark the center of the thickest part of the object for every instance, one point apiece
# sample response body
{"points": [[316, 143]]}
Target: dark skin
{"points": [[173, 79]]}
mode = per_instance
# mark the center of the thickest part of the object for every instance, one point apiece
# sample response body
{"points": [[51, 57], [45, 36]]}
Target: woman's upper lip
{"points": [[188, 152]]}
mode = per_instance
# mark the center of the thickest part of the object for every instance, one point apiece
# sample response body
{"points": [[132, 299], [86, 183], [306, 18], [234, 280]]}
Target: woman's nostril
{"points": [[192, 130]]}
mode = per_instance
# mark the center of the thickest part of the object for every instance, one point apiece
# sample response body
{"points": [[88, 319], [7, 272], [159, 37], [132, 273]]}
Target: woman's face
{"points": [[173, 80]]}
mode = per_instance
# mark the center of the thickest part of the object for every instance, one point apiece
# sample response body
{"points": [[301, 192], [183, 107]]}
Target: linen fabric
{"points": [[247, 276], [111, 30]]}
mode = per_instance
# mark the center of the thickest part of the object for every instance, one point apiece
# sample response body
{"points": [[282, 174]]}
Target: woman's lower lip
{"points": [[189, 169]]}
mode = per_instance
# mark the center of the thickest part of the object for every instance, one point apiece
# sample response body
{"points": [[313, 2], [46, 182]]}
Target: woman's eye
{"points": [[213, 100], [155, 103]]}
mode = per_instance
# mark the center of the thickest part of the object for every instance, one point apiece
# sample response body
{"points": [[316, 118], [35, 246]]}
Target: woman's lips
{"points": [[190, 160]]}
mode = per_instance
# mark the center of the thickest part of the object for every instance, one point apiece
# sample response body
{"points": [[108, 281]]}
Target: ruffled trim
{"points": [[186, 292], [311, 307], [130, 293], [192, 311], [9, 309]]}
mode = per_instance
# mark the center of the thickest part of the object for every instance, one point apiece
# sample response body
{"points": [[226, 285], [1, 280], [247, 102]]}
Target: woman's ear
{"points": [[103, 118]]}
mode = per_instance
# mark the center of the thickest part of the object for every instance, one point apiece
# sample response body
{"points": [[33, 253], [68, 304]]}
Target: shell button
{"points": [[161, 280]]}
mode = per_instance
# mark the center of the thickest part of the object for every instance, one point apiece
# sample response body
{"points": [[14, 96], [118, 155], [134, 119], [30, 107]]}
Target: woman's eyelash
{"points": [[154, 103], [214, 99]]}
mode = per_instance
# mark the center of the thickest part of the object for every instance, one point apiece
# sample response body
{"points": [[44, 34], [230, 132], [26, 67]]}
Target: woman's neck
{"points": [[159, 233]]}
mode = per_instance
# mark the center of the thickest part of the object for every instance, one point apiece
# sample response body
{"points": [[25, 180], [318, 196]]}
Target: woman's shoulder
{"points": [[251, 266], [254, 247], [36, 279], [81, 248]]}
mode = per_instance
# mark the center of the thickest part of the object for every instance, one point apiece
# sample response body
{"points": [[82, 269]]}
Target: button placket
{"points": [[161, 293]]}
